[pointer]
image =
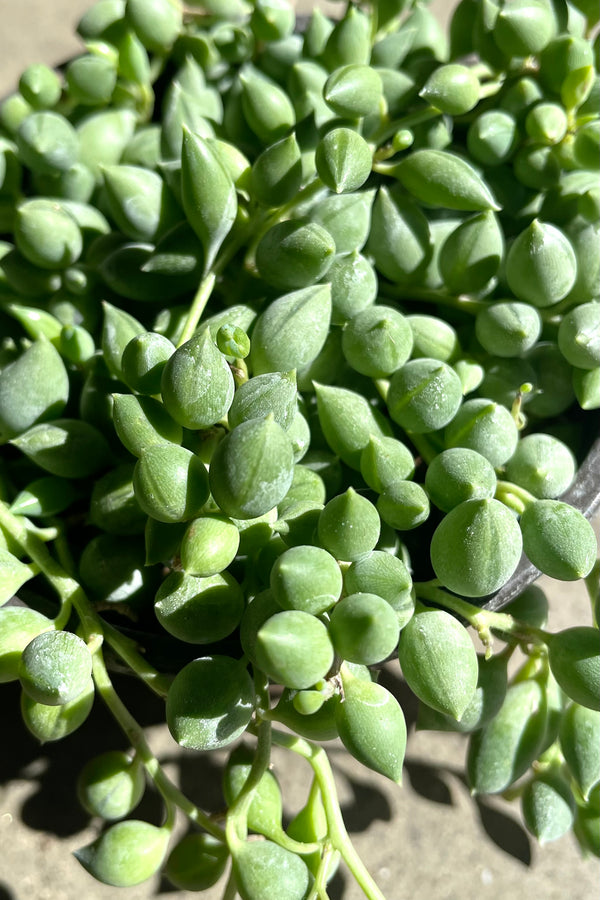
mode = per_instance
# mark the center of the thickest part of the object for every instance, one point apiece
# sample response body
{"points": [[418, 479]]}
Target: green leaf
{"points": [[294, 254], [273, 392], [13, 574], [70, 448], [266, 809], [210, 703], [292, 330], [343, 159], [111, 785], [170, 483], [504, 749], [139, 202], [127, 854], [439, 662], [252, 468], [444, 180], [266, 871], [348, 422], [476, 547], [199, 610], [277, 172], [157, 23], [209, 197], [118, 328], [196, 862], [399, 238], [267, 108], [574, 658], [353, 91], [579, 737], [33, 388], [558, 540], [371, 725], [197, 383]]}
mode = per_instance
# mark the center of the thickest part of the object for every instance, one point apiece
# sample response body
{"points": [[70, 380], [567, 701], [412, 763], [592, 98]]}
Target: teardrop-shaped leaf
{"points": [[209, 197], [118, 328], [343, 159], [197, 384], [273, 392], [70, 448], [399, 238], [291, 331], [266, 871], [210, 703], [18, 626], [13, 574], [126, 854], [33, 388], [574, 657], [266, 808], [580, 745], [439, 662], [139, 201], [348, 421], [371, 725], [252, 468], [504, 749], [442, 179]]}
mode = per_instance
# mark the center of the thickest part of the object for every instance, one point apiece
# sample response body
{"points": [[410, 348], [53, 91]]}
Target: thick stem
{"points": [[483, 620], [135, 735], [197, 308], [338, 836]]}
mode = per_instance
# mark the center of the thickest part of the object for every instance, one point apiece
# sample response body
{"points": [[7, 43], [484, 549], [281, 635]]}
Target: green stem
{"points": [[135, 735], [197, 308], [338, 835], [127, 649], [71, 594], [483, 620], [237, 816], [513, 496], [462, 302], [416, 118]]}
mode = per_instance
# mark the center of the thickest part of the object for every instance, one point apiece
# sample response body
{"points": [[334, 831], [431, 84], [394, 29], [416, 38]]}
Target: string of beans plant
{"points": [[300, 351]]}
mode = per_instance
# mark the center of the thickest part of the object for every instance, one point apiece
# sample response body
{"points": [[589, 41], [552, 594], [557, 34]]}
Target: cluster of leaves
{"points": [[300, 350]]}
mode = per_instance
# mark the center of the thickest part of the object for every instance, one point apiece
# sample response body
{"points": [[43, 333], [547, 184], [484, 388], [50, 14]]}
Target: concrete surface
{"points": [[428, 839]]}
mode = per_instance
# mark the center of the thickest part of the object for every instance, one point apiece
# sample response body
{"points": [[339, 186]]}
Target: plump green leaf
{"points": [[210, 703], [371, 725], [439, 662], [442, 179], [209, 197], [126, 854]]}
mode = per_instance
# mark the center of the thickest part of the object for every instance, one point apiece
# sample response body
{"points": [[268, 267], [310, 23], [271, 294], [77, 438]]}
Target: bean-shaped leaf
{"points": [[574, 657], [210, 703], [442, 179], [18, 626], [291, 331], [371, 725], [33, 388], [70, 448], [197, 384], [126, 854], [439, 662], [504, 749], [579, 737], [209, 197]]}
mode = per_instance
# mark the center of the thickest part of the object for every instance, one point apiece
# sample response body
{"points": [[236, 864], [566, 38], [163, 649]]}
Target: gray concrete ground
{"points": [[428, 839]]}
